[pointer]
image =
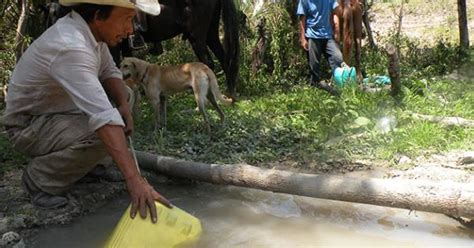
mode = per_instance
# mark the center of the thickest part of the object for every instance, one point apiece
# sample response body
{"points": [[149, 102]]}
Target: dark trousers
{"points": [[331, 51]]}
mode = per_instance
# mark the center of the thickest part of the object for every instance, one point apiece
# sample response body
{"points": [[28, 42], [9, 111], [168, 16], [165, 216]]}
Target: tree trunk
{"points": [[365, 19], [394, 70], [258, 53], [291, 7], [463, 28], [455, 199], [399, 26], [21, 27]]}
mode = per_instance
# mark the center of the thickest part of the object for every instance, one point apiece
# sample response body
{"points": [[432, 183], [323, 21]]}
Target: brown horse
{"points": [[350, 29], [198, 21]]}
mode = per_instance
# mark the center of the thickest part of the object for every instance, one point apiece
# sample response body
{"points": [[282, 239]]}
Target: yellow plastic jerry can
{"points": [[174, 228]]}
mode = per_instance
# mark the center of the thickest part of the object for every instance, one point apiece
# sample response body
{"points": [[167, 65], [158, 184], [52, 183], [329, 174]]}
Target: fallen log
{"points": [[450, 198], [446, 121]]}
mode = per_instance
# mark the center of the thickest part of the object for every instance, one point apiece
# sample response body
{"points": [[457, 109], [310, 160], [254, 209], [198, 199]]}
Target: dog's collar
{"points": [[144, 75]]}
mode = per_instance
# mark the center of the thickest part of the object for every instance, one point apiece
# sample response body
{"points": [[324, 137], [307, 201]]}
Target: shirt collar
{"points": [[82, 24]]}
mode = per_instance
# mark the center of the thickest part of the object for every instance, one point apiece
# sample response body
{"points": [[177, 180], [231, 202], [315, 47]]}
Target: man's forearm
{"points": [[302, 27], [116, 146]]}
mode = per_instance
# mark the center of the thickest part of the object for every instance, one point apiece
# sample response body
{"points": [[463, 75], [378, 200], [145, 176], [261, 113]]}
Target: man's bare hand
{"points": [[144, 196], [304, 44], [127, 118]]}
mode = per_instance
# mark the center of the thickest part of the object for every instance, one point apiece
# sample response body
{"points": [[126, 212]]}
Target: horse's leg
{"points": [[357, 22], [197, 18], [200, 49], [197, 38], [213, 41], [218, 50], [231, 43], [347, 35], [211, 62]]}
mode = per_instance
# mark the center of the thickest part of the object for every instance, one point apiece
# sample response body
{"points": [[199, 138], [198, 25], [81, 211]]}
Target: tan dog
{"points": [[161, 81]]}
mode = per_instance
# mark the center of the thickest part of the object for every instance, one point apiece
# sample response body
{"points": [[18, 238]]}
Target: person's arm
{"points": [[141, 192], [115, 89], [302, 13], [74, 70], [111, 78], [302, 28]]}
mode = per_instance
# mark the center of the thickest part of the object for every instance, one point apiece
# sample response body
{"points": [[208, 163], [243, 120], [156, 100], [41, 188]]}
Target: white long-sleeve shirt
{"points": [[61, 72]]}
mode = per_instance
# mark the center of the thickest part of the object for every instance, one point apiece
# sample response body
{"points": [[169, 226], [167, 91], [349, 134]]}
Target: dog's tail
{"points": [[215, 88]]}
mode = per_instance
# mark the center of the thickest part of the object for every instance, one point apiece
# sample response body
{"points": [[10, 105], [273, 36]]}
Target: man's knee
{"points": [[56, 172]]}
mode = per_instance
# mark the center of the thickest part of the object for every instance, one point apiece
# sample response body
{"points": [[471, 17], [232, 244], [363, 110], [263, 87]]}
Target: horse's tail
{"points": [[231, 44]]}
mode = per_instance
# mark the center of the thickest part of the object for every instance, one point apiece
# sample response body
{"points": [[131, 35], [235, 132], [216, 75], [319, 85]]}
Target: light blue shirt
{"points": [[318, 14]]}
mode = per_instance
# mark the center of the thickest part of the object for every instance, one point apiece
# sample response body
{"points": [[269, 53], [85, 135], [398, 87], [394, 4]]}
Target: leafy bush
{"points": [[9, 159]]}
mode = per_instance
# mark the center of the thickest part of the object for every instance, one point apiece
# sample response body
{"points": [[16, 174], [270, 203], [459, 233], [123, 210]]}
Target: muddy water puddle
{"points": [[240, 217]]}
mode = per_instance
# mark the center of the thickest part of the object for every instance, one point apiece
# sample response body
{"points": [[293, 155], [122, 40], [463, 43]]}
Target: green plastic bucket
{"points": [[344, 75]]}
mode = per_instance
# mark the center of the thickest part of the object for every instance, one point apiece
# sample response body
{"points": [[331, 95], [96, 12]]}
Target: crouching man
{"points": [[58, 110]]}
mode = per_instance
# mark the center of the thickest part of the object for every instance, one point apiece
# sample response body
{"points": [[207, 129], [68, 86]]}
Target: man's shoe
{"points": [[46, 201], [39, 198], [323, 85]]}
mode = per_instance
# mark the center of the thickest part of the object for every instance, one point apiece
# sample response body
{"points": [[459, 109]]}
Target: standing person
{"points": [[58, 109], [316, 37]]}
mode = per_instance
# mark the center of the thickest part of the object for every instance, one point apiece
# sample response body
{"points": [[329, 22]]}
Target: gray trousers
{"points": [[327, 47], [62, 147]]}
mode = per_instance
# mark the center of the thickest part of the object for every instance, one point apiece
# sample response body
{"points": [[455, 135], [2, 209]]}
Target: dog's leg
{"points": [[156, 104], [200, 89], [163, 103], [213, 101], [136, 103]]}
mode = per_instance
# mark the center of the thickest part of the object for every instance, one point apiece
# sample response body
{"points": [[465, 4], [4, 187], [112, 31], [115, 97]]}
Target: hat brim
{"points": [[151, 7]]}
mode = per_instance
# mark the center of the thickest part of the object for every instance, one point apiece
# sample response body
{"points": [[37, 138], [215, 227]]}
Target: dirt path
{"points": [[426, 24]]}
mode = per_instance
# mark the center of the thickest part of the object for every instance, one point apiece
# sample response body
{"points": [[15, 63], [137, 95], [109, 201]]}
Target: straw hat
{"points": [[151, 7]]}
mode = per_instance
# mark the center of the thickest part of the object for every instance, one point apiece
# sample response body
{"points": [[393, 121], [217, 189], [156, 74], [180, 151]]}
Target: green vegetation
{"points": [[280, 118], [9, 158]]}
